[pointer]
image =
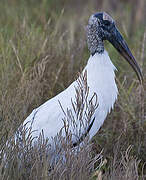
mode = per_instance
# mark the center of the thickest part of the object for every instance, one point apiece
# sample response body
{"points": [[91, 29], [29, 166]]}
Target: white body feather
{"points": [[101, 80]]}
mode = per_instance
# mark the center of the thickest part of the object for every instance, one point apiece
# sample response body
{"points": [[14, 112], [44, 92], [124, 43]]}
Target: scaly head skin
{"points": [[102, 27]]}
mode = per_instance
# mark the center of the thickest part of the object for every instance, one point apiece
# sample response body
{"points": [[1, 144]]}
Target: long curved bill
{"points": [[119, 43]]}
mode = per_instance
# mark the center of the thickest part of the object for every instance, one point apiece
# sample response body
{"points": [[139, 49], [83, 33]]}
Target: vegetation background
{"points": [[42, 48]]}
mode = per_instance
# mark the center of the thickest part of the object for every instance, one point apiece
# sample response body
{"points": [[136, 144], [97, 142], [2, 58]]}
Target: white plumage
{"points": [[100, 79]]}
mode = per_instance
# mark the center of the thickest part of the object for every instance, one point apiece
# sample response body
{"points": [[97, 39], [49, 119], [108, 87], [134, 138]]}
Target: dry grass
{"points": [[22, 157], [41, 54]]}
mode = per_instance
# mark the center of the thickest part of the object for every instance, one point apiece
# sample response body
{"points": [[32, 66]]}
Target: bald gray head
{"points": [[98, 29], [102, 27]]}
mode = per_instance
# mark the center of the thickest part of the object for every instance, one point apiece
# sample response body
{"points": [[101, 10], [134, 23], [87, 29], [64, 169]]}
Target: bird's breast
{"points": [[101, 80]]}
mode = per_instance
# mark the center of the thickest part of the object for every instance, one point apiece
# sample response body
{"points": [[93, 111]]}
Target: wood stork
{"points": [[100, 78]]}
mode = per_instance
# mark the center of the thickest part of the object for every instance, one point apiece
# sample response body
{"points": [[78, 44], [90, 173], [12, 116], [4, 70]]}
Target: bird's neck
{"points": [[95, 43]]}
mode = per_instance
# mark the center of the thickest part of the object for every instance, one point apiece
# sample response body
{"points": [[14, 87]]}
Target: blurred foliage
{"points": [[43, 46]]}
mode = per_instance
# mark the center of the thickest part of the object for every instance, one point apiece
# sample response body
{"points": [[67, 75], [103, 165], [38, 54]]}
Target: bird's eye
{"points": [[106, 22]]}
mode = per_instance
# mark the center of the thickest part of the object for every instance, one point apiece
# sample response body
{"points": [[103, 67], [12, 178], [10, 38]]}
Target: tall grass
{"points": [[42, 49]]}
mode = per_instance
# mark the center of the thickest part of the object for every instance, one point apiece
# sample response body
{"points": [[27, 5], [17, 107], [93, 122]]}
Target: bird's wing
{"points": [[49, 116], [70, 105]]}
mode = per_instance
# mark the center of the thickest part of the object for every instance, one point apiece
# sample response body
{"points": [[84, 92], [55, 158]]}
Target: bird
{"points": [[100, 79]]}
